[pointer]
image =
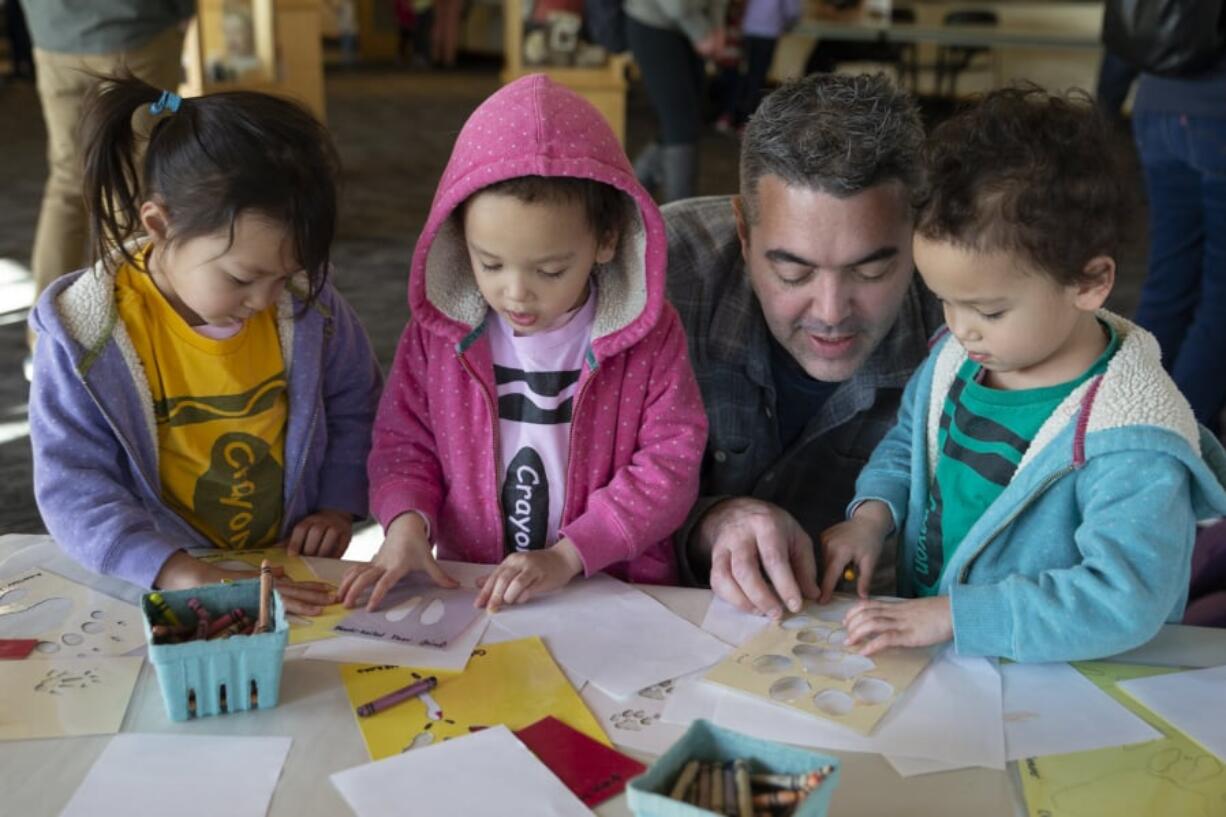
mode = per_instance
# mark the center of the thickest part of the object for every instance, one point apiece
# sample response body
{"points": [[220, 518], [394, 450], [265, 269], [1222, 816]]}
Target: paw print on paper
{"points": [[633, 720]]}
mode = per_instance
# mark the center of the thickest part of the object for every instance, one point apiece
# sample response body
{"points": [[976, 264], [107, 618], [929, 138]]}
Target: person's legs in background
{"points": [[62, 235], [759, 54], [1115, 78], [1184, 294], [1207, 591], [672, 73], [445, 38]]}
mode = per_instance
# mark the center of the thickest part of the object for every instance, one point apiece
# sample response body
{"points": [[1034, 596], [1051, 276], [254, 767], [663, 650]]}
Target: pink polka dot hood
{"points": [[638, 429]]}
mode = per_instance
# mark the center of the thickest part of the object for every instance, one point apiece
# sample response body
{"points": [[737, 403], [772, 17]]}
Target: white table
{"points": [[38, 777]]}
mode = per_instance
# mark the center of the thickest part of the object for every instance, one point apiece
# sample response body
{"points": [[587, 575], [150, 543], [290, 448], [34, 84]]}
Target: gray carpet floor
{"points": [[394, 130]]}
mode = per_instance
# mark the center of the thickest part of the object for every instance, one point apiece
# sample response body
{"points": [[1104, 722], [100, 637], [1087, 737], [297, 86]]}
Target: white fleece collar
{"points": [[1134, 391]]}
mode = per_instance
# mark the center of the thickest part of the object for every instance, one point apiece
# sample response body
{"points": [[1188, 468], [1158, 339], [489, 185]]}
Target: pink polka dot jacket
{"points": [[638, 426]]}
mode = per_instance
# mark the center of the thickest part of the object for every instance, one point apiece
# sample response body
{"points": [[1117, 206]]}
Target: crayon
{"points": [[261, 625], [703, 798], [717, 788], [169, 634], [235, 627], [779, 797], [684, 780], [849, 574], [202, 617], [399, 696], [744, 789], [807, 781], [162, 610], [219, 624]]}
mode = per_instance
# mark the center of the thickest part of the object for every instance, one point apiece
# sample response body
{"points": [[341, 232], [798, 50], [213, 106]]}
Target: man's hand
{"points": [[911, 623], [745, 537]]}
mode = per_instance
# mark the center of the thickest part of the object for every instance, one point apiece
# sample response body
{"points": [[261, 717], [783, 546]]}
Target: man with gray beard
{"points": [[805, 319]]}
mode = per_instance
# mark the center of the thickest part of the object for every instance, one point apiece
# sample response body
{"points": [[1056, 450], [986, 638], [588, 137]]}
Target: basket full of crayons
{"points": [[217, 648], [710, 770]]}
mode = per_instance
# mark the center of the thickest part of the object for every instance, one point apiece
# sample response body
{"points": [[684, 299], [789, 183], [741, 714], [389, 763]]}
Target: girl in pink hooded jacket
{"points": [[541, 412]]}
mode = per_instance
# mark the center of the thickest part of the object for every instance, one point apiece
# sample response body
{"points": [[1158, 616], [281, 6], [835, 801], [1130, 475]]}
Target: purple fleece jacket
{"points": [[95, 444]]}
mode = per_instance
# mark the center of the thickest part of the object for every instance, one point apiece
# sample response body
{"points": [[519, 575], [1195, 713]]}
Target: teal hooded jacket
{"points": [[1087, 551]]}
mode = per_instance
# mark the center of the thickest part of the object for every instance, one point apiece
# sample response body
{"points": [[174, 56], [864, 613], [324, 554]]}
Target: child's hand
{"points": [[324, 533], [405, 548], [912, 623], [524, 575], [859, 541], [182, 571]]}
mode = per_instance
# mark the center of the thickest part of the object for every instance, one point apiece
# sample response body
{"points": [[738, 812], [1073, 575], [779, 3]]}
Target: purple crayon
{"points": [[392, 698]]}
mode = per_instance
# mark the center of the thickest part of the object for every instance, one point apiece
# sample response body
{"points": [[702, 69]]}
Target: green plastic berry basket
{"points": [[201, 678], [648, 793]]}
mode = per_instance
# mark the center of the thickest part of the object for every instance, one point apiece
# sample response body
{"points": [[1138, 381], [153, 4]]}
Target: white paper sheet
{"points": [[182, 775], [1187, 701], [352, 650], [1051, 709], [636, 722], [730, 625], [495, 634], [615, 636], [951, 714], [913, 766], [692, 699], [65, 696], [485, 774]]}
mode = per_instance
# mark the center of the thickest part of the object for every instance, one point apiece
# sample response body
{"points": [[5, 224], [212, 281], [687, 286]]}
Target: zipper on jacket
{"points": [[1030, 500], [493, 407]]}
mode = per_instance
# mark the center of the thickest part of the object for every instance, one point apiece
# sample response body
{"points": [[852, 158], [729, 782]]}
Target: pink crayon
{"points": [[202, 617], [217, 625]]}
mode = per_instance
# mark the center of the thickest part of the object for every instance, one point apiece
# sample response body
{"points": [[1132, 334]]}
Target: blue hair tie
{"points": [[168, 100]]}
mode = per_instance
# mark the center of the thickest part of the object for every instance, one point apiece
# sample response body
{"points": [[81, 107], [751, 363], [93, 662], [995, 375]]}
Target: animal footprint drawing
{"points": [[633, 720], [60, 680]]}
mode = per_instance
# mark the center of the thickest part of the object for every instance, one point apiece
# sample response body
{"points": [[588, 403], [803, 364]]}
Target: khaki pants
{"points": [[61, 239]]}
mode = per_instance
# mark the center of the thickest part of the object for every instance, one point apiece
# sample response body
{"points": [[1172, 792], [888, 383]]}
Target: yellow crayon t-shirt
{"points": [[221, 408]]}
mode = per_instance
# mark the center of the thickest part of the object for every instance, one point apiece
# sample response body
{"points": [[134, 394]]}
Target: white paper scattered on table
{"points": [[65, 696], [1187, 701], [1052, 709], [692, 699], [731, 625], [914, 766], [495, 634], [636, 722], [615, 636], [182, 775], [353, 650], [951, 714], [485, 774]]}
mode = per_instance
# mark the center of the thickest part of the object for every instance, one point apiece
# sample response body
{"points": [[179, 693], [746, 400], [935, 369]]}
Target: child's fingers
{"points": [[314, 538], [865, 581], [365, 576], [294, 545], [436, 573], [502, 579], [328, 542], [348, 579], [835, 562], [517, 586], [386, 582], [313, 592], [885, 640], [298, 607]]}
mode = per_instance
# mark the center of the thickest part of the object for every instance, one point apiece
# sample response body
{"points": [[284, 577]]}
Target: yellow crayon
{"points": [[162, 610], [849, 574]]}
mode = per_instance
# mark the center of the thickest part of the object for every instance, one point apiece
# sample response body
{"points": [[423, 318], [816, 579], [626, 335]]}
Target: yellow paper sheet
{"points": [[1162, 778], [515, 683], [802, 663], [302, 628]]}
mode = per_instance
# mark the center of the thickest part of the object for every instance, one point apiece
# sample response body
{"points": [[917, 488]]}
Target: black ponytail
{"points": [[217, 157]]}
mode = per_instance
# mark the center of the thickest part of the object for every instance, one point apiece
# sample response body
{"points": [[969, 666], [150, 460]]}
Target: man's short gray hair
{"points": [[834, 133]]}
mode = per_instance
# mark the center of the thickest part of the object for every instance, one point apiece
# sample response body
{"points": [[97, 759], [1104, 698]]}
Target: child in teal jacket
{"points": [[1045, 474]]}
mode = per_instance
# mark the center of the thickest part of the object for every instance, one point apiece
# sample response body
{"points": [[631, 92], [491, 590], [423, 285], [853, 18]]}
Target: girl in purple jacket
{"points": [[202, 385], [541, 413]]}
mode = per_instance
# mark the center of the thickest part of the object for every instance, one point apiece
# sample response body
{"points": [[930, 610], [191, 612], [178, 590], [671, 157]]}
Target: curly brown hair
{"points": [[1026, 171]]}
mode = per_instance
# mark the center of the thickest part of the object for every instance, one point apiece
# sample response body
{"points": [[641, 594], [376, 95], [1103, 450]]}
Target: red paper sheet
{"points": [[16, 647], [593, 771]]}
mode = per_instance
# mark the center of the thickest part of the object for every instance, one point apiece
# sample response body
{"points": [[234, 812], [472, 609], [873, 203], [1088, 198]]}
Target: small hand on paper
{"points": [[405, 548], [524, 575], [911, 623], [182, 571], [323, 533], [744, 537], [858, 541]]}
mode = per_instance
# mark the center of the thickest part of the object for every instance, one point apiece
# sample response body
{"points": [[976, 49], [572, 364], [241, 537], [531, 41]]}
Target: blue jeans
{"points": [[1183, 300]]}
